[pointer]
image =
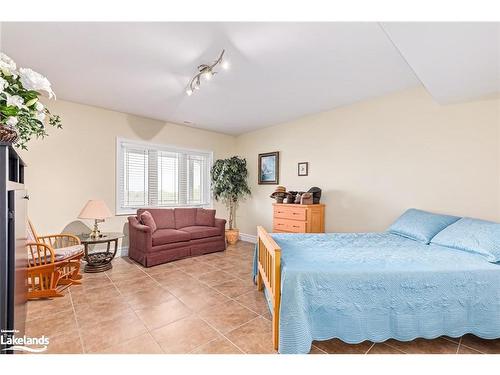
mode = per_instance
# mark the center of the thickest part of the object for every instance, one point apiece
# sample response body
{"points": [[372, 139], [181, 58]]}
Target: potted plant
{"points": [[22, 116], [229, 185]]}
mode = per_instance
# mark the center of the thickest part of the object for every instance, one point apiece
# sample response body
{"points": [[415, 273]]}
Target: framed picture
{"points": [[303, 168], [269, 168]]}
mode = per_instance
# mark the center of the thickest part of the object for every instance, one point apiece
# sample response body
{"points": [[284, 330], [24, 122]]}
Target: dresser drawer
{"points": [[285, 225], [298, 218], [290, 212]]}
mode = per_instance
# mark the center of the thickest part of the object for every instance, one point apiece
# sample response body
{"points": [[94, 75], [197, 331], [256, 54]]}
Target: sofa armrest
{"points": [[139, 235], [136, 225], [221, 224]]}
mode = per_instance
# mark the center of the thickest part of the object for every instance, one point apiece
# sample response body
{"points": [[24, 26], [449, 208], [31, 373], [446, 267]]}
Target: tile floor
{"points": [[206, 304]]}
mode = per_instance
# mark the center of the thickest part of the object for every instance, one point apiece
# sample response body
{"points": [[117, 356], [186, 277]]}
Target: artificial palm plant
{"points": [[229, 185]]}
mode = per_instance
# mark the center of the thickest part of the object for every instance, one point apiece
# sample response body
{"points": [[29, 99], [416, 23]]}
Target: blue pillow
{"points": [[420, 225], [473, 235]]}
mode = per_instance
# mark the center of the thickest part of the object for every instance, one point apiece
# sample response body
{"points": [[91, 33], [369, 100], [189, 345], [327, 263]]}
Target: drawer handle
{"points": [[280, 212], [296, 226], [280, 225], [295, 213]]}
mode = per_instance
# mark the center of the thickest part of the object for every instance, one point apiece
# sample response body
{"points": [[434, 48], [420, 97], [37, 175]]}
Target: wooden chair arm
{"points": [[43, 268], [40, 254], [60, 240]]}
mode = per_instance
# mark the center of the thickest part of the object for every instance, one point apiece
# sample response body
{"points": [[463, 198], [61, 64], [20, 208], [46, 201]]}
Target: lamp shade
{"points": [[95, 209]]}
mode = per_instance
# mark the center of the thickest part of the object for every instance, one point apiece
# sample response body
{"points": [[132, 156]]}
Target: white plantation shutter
{"points": [[168, 179], [197, 172], [135, 181], [161, 176]]}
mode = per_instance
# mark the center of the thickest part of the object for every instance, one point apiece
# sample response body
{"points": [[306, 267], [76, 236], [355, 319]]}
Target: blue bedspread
{"points": [[376, 286]]}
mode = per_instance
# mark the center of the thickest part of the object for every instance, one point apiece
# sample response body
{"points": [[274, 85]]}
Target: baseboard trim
{"points": [[248, 237], [122, 251]]}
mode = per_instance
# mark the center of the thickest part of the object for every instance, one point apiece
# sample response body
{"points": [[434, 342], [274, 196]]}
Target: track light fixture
{"points": [[205, 71]]}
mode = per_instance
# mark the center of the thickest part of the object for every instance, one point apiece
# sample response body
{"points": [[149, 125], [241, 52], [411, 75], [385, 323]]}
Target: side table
{"points": [[100, 261]]}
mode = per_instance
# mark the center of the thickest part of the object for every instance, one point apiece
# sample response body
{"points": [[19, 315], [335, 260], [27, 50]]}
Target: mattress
{"points": [[376, 286]]}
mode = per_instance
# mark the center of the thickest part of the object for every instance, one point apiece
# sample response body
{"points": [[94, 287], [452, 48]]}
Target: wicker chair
{"points": [[53, 263]]}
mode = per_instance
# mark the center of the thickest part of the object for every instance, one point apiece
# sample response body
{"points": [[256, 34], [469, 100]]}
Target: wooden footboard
{"points": [[269, 275]]}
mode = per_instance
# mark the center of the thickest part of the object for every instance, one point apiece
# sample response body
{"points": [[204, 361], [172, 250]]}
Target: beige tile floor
{"points": [[206, 304]]}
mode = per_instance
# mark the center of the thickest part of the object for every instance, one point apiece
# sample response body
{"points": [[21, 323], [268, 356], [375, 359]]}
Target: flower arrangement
{"points": [[20, 108]]}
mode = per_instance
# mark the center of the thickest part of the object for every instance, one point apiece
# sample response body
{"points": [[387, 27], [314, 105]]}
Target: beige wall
{"points": [[373, 160], [376, 158], [77, 163]]}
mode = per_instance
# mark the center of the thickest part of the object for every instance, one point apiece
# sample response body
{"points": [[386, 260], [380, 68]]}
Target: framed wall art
{"points": [[269, 167], [303, 168]]}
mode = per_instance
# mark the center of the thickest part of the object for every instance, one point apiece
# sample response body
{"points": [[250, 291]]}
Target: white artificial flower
{"points": [[11, 121], [15, 100], [3, 84], [32, 80], [40, 116], [39, 106], [7, 65]]}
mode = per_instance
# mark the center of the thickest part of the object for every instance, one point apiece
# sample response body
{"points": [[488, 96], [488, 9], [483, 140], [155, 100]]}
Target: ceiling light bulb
{"points": [[206, 72], [208, 75]]}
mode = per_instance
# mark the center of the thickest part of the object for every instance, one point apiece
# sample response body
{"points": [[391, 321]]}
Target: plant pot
{"points": [[232, 236], [8, 134]]}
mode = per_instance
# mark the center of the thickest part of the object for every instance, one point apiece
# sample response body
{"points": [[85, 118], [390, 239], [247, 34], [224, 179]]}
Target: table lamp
{"points": [[97, 210]]}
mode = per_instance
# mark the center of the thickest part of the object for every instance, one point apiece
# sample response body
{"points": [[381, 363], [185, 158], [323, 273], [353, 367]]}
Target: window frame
{"points": [[119, 210]]}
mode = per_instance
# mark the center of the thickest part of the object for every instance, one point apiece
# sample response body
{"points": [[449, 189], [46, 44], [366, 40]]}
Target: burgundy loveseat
{"points": [[180, 233]]}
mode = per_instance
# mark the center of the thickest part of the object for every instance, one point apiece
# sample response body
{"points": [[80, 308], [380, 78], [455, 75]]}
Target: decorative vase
{"points": [[8, 134], [232, 236]]}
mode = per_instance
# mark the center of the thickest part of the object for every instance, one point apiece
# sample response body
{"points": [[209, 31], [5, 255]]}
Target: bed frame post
{"points": [[269, 275], [260, 284], [277, 299]]}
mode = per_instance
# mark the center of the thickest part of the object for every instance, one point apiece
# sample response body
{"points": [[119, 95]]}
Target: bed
{"points": [[373, 286]]}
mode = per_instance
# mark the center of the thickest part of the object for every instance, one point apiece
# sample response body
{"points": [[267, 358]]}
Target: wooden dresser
{"points": [[298, 218]]}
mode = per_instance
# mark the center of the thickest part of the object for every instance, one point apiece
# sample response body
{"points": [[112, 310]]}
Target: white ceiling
{"points": [[279, 71], [454, 61]]}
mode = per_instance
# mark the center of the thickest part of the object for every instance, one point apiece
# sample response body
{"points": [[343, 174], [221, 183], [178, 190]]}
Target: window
{"points": [[161, 176]]}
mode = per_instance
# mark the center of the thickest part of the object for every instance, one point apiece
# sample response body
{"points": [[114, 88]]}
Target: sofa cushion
{"points": [[165, 236], [147, 219], [163, 217], [198, 231], [184, 217], [205, 217]]}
